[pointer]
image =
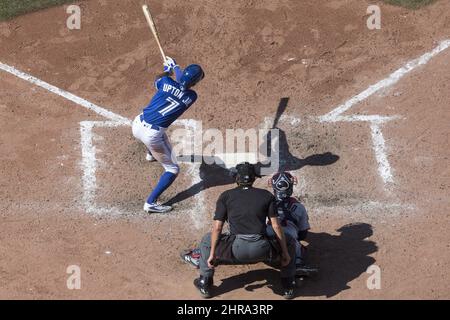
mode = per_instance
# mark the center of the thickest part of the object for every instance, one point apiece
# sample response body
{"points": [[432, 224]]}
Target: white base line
{"points": [[89, 165], [389, 81], [379, 145], [67, 95], [375, 121], [367, 206], [88, 149], [89, 152], [366, 118], [197, 212]]}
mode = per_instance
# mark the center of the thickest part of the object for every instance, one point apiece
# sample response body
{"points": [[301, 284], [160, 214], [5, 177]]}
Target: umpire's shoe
{"points": [[288, 285], [204, 285]]}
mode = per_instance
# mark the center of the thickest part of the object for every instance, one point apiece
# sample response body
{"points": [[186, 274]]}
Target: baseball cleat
{"points": [[288, 293], [288, 285], [149, 157], [204, 286], [191, 257], [156, 208]]}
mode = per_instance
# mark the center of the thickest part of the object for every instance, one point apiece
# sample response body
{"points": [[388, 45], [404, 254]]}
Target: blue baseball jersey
{"points": [[169, 102]]}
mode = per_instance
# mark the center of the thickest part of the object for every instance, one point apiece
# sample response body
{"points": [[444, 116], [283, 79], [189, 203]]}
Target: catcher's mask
{"points": [[245, 174], [283, 185]]}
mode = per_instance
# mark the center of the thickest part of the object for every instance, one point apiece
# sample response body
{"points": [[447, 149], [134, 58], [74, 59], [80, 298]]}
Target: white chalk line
{"points": [[89, 153], [197, 212], [375, 121], [378, 141], [367, 118], [387, 82], [379, 144], [368, 207], [89, 166], [88, 150], [384, 170], [65, 94]]}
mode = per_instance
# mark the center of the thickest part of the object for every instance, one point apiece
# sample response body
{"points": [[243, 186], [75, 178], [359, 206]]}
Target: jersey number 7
{"points": [[173, 105]]}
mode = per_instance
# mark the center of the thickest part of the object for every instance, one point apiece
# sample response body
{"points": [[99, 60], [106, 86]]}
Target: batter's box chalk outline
{"points": [[89, 164], [377, 121], [88, 149]]}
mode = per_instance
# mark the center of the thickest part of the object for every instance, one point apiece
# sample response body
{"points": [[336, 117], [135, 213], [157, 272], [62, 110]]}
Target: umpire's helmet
{"points": [[191, 75], [283, 185], [245, 174]]}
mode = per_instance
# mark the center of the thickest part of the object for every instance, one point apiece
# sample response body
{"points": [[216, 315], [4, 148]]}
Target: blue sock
{"points": [[164, 182]]}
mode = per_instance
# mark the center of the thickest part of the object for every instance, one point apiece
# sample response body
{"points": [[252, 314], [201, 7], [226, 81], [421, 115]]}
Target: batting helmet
{"points": [[191, 76]]}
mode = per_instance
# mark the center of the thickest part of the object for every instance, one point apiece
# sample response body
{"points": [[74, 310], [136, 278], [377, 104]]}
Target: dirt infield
{"points": [[374, 178]]}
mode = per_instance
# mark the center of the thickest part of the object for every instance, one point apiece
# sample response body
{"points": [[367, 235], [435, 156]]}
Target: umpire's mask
{"points": [[245, 174]]}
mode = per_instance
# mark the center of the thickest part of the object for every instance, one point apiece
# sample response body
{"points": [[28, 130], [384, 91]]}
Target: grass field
{"points": [[12, 8], [411, 4]]}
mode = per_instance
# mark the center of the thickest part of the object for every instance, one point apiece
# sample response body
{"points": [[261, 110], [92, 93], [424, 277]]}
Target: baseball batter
{"points": [[172, 99]]}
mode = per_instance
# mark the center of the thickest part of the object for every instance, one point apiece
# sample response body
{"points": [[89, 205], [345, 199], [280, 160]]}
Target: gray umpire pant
{"points": [[246, 249]]}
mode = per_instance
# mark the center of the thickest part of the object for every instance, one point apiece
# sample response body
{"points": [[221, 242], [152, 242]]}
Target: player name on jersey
{"points": [[176, 92], [173, 90]]}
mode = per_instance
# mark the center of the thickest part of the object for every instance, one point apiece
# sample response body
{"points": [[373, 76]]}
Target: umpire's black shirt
{"points": [[246, 209]]}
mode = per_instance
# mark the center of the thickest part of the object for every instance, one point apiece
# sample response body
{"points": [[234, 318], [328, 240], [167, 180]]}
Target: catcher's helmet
{"points": [[191, 75], [283, 185], [245, 174]]}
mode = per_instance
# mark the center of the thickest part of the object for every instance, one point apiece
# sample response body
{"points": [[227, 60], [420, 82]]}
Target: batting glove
{"points": [[169, 64]]}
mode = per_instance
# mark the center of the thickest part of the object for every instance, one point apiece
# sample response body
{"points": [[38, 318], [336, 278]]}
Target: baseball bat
{"points": [[152, 26]]}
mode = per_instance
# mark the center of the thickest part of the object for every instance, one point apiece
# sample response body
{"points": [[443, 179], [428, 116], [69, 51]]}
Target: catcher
{"points": [[292, 214]]}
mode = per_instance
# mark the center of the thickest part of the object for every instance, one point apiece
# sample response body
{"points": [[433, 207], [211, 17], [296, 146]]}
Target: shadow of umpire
{"points": [[341, 259], [216, 174]]}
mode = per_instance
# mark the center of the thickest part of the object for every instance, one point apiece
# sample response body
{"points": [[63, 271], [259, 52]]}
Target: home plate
{"points": [[230, 160]]}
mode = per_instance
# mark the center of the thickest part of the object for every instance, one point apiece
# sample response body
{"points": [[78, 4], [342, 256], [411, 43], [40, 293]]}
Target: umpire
{"points": [[246, 209]]}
